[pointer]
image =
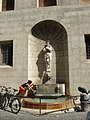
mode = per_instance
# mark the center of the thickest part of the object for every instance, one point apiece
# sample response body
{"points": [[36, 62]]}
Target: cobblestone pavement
{"points": [[25, 114]]}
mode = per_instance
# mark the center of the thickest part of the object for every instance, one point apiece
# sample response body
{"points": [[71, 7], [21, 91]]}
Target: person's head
{"points": [[29, 81]]}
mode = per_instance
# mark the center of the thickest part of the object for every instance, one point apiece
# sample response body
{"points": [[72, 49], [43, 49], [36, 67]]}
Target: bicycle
{"points": [[10, 100], [2, 98]]}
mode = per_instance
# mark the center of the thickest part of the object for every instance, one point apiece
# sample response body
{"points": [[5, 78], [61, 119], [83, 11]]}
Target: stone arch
{"points": [[57, 35]]}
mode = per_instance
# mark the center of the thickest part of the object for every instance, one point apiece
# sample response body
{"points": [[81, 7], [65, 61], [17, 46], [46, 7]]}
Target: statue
{"points": [[48, 57]]}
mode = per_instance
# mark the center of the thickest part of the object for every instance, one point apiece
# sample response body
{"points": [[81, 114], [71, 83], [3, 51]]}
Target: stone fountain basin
{"points": [[46, 97], [47, 104]]}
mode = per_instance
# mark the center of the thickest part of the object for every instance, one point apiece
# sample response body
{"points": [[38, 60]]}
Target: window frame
{"points": [[87, 43], [41, 3], [7, 5], [6, 53]]}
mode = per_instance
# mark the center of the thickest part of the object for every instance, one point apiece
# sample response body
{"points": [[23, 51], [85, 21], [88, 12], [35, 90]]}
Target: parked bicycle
{"points": [[8, 99], [2, 98]]}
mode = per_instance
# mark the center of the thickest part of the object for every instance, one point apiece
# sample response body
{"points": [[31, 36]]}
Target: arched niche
{"points": [[57, 35]]}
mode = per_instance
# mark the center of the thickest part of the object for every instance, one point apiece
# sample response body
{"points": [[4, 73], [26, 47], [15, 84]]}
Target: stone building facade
{"points": [[26, 25]]}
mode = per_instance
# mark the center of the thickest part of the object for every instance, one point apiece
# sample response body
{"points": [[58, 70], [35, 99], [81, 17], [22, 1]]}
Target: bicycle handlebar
{"points": [[8, 90]]}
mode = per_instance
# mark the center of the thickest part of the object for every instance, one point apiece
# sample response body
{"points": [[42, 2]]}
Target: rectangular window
{"points": [[87, 41], [47, 3], [7, 5], [6, 53]]}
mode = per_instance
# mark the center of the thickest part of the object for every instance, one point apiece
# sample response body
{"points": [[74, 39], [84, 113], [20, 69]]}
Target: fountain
{"points": [[47, 98], [47, 95]]}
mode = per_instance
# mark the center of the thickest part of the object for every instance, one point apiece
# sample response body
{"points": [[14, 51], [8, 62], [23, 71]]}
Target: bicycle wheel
{"points": [[3, 90], [15, 105], [3, 102]]}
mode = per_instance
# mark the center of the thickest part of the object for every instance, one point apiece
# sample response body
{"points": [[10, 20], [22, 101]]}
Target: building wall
{"points": [[79, 67], [22, 4], [35, 3], [12, 28], [17, 25]]}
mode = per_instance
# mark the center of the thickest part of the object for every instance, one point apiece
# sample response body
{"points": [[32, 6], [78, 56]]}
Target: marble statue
{"points": [[48, 56]]}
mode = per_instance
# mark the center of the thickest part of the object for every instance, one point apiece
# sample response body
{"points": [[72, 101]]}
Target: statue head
{"points": [[47, 42]]}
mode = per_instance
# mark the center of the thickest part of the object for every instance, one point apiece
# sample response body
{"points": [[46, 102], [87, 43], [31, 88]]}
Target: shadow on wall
{"points": [[42, 68], [40, 64]]}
